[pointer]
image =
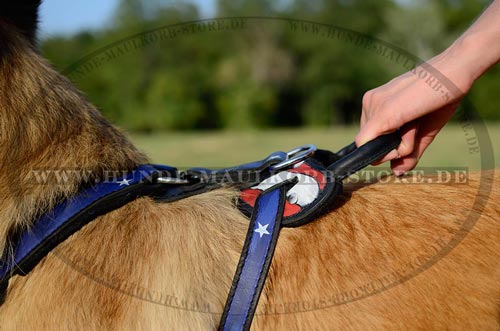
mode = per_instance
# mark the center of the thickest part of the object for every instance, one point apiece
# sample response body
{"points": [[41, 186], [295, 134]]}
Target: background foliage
{"points": [[266, 75]]}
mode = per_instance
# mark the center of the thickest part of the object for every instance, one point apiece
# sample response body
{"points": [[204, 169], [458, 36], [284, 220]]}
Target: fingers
{"points": [[384, 112], [429, 127], [402, 100], [405, 148], [407, 103], [401, 166]]}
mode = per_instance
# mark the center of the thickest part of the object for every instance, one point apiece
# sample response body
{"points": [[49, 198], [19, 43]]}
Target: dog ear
{"points": [[23, 14]]}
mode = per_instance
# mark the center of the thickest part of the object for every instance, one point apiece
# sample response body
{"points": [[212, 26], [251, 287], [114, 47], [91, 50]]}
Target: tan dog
{"points": [[378, 262]]}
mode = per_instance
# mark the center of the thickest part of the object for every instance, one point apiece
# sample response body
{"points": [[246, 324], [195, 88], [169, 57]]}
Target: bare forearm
{"points": [[479, 47], [409, 104]]}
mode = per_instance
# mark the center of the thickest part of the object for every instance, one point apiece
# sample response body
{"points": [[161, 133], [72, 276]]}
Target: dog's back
{"points": [[378, 262], [391, 256]]}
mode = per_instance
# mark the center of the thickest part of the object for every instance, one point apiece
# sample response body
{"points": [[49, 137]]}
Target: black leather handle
{"points": [[354, 158]]}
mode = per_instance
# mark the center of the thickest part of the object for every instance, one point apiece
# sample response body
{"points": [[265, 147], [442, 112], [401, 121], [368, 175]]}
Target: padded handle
{"points": [[354, 158]]}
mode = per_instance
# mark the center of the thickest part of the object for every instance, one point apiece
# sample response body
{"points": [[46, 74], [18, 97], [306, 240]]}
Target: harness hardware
{"points": [[172, 180], [295, 156]]}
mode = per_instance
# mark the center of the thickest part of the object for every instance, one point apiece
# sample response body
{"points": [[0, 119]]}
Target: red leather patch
{"points": [[311, 183]]}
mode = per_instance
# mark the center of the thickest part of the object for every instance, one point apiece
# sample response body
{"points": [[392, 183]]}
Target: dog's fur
{"points": [[184, 254]]}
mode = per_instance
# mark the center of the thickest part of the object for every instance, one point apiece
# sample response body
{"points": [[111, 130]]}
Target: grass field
{"points": [[226, 148]]}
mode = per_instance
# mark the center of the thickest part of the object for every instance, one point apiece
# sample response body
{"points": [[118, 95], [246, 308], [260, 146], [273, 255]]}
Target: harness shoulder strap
{"points": [[71, 215]]}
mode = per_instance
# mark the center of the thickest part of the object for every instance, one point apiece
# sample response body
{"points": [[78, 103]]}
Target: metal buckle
{"points": [[295, 156], [172, 180]]}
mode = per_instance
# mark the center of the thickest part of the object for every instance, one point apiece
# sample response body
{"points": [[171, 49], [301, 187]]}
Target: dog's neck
{"points": [[47, 125]]}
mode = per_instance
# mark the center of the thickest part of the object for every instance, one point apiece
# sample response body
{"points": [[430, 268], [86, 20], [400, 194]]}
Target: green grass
{"points": [[226, 148]]}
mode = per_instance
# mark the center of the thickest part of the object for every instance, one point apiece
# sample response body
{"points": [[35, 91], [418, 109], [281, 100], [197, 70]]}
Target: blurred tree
{"points": [[484, 95], [264, 74], [458, 15], [227, 8], [417, 28]]}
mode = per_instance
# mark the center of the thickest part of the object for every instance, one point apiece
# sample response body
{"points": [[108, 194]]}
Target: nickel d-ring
{"points": [[295, 156]]}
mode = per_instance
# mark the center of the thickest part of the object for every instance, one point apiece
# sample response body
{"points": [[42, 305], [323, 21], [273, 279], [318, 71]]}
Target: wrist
{"points": [[475, 53], [458, 63]]}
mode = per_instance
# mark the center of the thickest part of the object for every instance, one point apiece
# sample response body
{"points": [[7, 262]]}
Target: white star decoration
{"points": [[262, 230], [125, 182]]}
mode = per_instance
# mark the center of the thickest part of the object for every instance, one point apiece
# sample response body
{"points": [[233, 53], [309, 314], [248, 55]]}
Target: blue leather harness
{"points": [[165, 184]]}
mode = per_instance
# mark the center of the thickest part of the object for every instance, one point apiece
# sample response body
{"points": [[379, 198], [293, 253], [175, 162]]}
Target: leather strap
{"points": [[71, 215], [354, 158], [205, 179], [255, 258]]}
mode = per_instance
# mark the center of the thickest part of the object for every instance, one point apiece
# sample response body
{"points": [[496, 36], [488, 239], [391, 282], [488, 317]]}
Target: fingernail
{"points": [[398, 173]]}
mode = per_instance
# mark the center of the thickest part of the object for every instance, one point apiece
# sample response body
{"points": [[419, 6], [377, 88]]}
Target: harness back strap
{"points": [[255, 258]]}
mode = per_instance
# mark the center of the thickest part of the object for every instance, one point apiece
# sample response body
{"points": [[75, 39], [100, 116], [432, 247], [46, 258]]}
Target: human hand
{"points": [[419, 103]]}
